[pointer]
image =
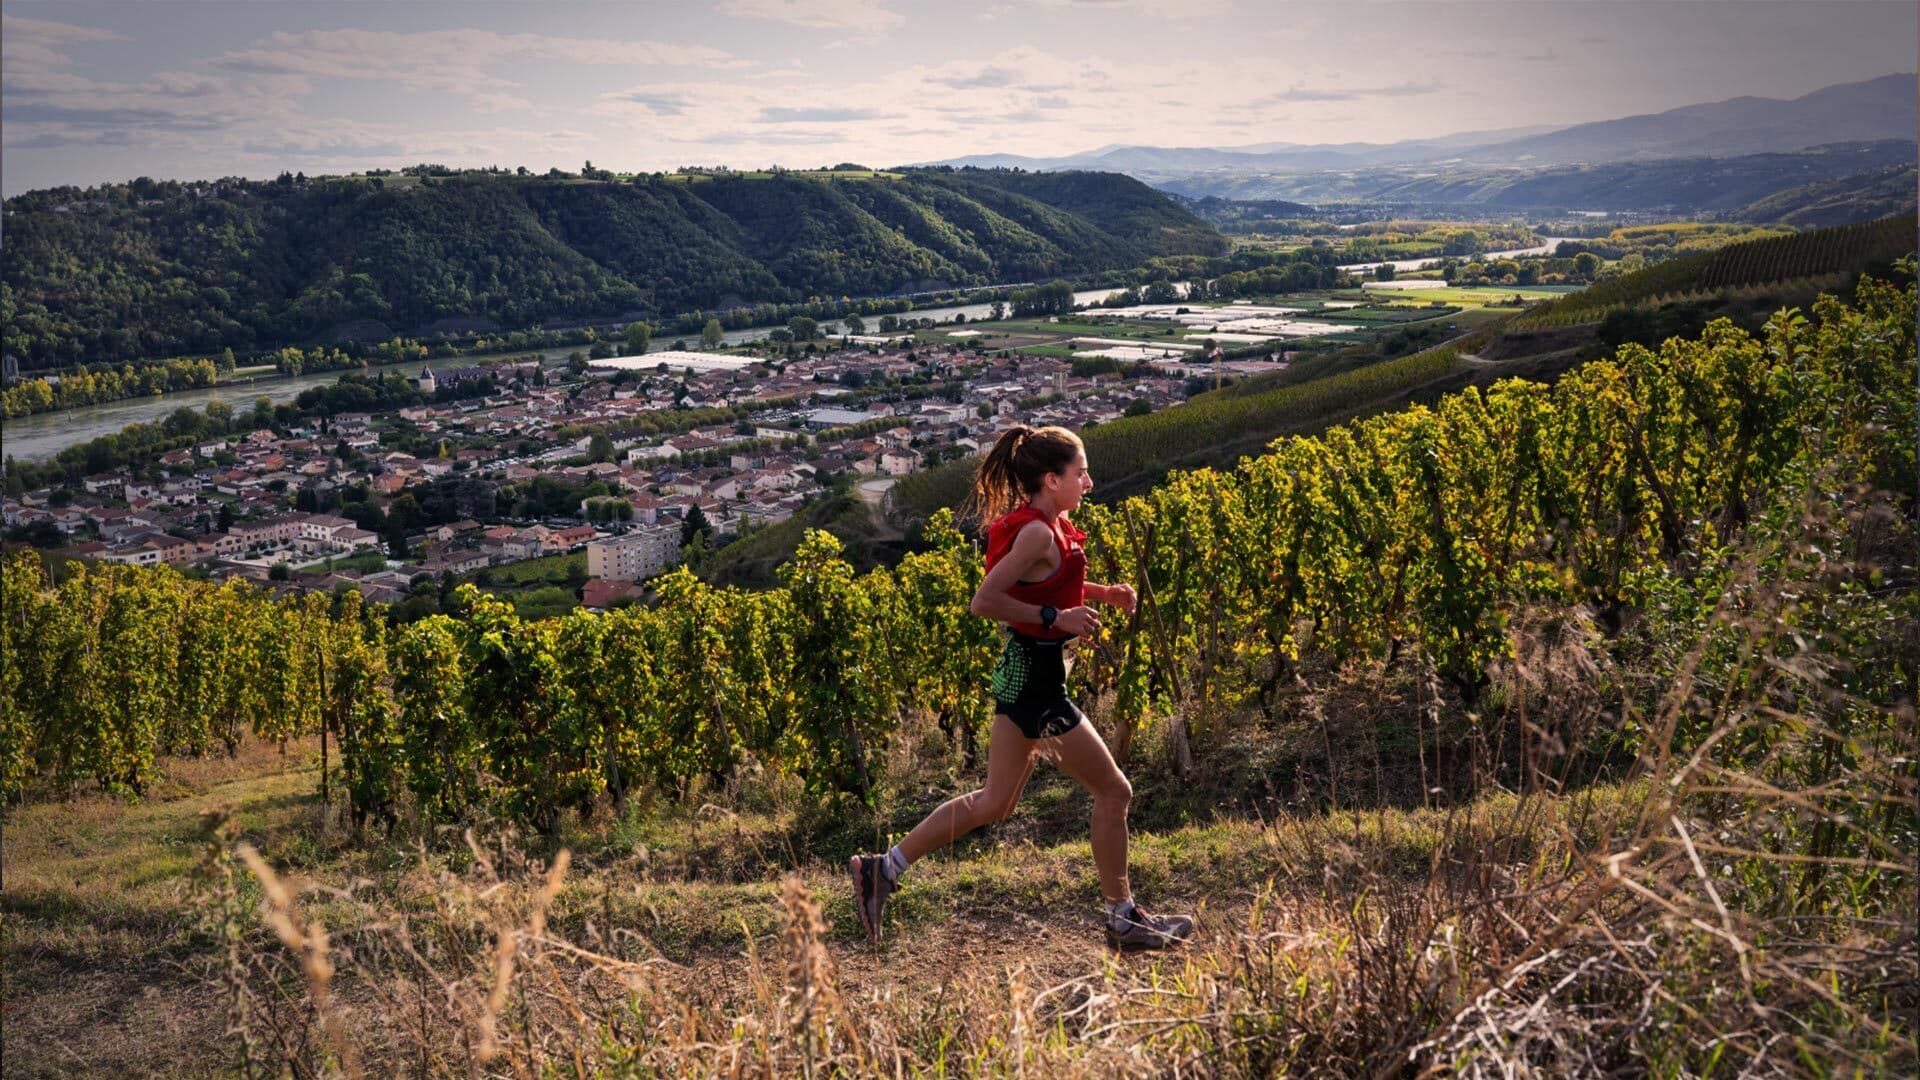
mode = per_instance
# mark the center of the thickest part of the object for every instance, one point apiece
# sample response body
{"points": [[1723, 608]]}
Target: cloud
{"points": [[1343, 93], [662, 104], [986, 77], [33, 45], [790, 137], [1165, 9], [51, 140], [865, 15], [804, 115], [47, 107], [465, 62], [186, 84], [921, 111], [30, 49], [94, 115], [332, 149], [47, 32], [499, 102]]}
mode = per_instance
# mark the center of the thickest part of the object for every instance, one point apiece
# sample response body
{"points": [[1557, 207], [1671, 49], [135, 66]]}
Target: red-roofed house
{"points": [[601, 594]]}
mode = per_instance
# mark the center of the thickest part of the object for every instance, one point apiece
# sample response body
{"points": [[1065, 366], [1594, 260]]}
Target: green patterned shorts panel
{"points": [[1030, 687]]}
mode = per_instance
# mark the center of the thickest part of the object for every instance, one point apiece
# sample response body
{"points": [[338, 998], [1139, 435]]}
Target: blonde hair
{"points": [[1017, 467]]}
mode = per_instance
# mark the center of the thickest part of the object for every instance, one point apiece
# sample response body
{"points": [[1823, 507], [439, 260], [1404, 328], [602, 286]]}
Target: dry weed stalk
{"points": [[307, 939], [225, 914]]}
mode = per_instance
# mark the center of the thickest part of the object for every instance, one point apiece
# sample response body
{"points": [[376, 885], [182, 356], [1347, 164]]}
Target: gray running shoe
{"points": [[1141, 930], [871, 887]]}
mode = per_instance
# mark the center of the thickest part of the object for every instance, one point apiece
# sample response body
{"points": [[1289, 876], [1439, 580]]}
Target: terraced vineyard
{"points": [[1805, 263]]}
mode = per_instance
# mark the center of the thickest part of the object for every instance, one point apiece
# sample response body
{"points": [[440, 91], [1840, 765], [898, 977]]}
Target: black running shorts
{"points": [[1030, 687]]}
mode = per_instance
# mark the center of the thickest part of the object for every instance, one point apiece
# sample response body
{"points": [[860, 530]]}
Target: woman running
{"points": [[1037, 585]]}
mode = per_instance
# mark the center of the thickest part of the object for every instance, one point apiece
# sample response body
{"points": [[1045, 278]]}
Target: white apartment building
{"points": [[642, 553]]}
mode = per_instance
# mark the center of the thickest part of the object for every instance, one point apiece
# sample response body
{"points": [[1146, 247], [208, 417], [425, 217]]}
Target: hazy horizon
{"points": [[93, 92]]}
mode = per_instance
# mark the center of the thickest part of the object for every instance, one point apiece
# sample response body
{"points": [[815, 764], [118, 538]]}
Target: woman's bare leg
{"points": [[1082, 754], [1010, 760]]}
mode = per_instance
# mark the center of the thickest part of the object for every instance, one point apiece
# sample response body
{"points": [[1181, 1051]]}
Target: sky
{"points": [[93, 92]]}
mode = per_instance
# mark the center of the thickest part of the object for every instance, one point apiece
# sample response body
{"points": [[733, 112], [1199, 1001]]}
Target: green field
{"points": [[545, 570], [537, 588], [1473, 295]]}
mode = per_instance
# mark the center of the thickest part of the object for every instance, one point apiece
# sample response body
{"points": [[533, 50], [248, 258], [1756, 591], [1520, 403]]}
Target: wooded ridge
{"points": [[158, 268]]}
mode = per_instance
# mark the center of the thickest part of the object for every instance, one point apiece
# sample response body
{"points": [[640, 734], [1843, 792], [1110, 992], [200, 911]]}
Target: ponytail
{"points": [[1016, 468]]}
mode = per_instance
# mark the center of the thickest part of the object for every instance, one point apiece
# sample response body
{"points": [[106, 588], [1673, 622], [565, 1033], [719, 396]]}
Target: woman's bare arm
{"points": [[991, 601]]}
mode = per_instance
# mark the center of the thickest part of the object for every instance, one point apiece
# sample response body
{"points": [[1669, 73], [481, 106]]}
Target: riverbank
{"points": [[42, 436]]}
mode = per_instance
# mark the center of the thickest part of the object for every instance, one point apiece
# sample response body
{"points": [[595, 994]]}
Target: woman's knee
{"points": [[988, 806], [1114, 795]]}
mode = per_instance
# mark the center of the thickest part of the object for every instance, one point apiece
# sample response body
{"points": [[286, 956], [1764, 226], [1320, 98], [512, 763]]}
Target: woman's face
{"points": [[1075, 482]]}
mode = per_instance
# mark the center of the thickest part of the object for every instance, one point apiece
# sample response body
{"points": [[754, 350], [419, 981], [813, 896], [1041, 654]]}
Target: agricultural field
{"points": [[1422, 292], [1178, 330], [538, 588]]}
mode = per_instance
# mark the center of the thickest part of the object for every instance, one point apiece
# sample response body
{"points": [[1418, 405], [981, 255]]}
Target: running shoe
{"points": [[1139, 930], [871, 887]]}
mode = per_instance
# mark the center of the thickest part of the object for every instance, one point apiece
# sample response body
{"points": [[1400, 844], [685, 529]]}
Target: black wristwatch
{"points": [[1048, 613]]}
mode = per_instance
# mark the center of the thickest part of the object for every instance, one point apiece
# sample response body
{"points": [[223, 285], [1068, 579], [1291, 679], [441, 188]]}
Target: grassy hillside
{"points": [[1870, 196], [152, 269]]}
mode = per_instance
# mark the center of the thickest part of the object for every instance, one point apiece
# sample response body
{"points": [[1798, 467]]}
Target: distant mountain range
{"points": [[1870, 111], [1687, 184]]}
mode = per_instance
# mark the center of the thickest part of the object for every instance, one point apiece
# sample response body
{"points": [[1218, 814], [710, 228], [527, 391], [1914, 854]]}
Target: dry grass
{"points": [[1367, 940], [101, 954], [115, 967]]}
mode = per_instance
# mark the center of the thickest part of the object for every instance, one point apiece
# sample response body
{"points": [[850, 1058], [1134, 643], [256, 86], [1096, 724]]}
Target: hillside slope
{"points": [[1850, 199], [1686, 184], [153, 269]]}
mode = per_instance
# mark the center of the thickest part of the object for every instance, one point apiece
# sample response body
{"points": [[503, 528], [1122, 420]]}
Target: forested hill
{"points": [[162, 268]]}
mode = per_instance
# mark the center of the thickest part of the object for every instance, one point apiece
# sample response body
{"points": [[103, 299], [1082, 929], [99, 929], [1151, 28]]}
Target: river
{"points": [[40, 437]]}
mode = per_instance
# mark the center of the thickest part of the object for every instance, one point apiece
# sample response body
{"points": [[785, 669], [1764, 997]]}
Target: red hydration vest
{"points": [[1064, 588]]}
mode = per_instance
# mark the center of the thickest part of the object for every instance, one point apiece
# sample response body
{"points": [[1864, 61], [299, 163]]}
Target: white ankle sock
{"points": [[895, 865], [1119, 911]]}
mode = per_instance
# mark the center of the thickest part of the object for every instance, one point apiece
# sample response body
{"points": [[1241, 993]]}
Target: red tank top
{"points": [[1064, 588]]}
